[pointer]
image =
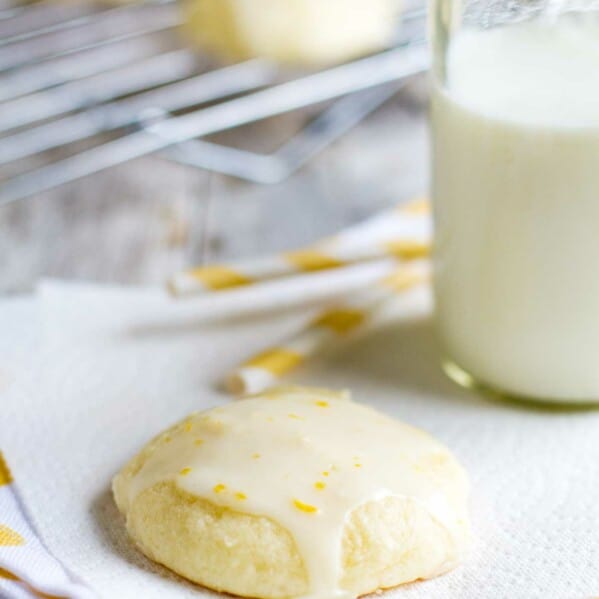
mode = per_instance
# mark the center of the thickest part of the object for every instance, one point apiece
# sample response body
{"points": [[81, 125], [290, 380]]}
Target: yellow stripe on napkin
{"points": [[10, 576], [277, 360], [340, 320], [219, 277], [9, 537], [311, 260], [5, 475]]}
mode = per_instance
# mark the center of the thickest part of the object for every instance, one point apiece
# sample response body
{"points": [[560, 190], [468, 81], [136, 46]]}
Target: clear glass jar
{"points": [[515, 123]]}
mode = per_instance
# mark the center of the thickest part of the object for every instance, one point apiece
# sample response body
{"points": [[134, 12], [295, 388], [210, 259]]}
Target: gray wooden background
{"points": [[139, 222]]}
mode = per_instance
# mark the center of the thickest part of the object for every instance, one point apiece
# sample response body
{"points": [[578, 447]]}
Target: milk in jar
{"points": [[516, 196]]}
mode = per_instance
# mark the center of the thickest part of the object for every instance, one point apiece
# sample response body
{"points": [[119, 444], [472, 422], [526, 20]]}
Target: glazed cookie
{"points": [[293, 31], [296, 493]]}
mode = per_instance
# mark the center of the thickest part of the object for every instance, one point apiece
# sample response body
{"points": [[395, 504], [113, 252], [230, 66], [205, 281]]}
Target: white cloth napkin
{"points": [[95, 372]]}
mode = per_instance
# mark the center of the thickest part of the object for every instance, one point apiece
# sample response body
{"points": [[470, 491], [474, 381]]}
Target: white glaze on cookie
{"points": [[306, 459]]}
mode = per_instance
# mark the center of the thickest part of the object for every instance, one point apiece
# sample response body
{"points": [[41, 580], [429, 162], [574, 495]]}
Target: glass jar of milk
{"points": [[515, 122]]}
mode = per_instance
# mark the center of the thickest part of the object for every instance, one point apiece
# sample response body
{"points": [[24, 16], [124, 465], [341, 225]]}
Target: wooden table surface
{"points": [[139, 222]]}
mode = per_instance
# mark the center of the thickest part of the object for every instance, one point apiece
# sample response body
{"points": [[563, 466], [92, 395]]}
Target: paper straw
{"points": [[403, 233], [357, 315]]}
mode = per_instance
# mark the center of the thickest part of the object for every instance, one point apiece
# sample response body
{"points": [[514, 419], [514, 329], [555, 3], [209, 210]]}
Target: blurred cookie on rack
{"points": [[301, 32]]}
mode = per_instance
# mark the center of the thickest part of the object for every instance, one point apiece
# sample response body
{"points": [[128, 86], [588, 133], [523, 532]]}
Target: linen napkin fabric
{"points": [[27, 569], [90, 373]]}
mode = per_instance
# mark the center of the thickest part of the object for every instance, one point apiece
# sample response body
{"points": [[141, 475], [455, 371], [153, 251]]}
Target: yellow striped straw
{"points": [[404, 232], [331, 326]]}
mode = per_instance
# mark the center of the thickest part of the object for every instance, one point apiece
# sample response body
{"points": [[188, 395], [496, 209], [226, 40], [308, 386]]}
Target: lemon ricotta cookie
{"points": [[296, 493], [309, 32]]}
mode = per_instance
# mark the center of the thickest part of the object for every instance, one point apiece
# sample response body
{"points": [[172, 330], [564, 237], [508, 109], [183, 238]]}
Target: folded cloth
{"points": [[27, 569], [74, 322], [100, 370]]}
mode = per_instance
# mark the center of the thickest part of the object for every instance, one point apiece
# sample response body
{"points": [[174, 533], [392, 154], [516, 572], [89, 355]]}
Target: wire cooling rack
{"points": [[78, 72]]}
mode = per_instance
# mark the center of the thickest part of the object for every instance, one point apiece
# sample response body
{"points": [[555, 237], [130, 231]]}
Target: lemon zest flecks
{"points": [[319, 485], [188, 426], [294, 416], [305, 507], [167, 439], [198, 442], [241, 496], [256, 456], [219, 488], [185, 471], [322, 404], [325, 473]]}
